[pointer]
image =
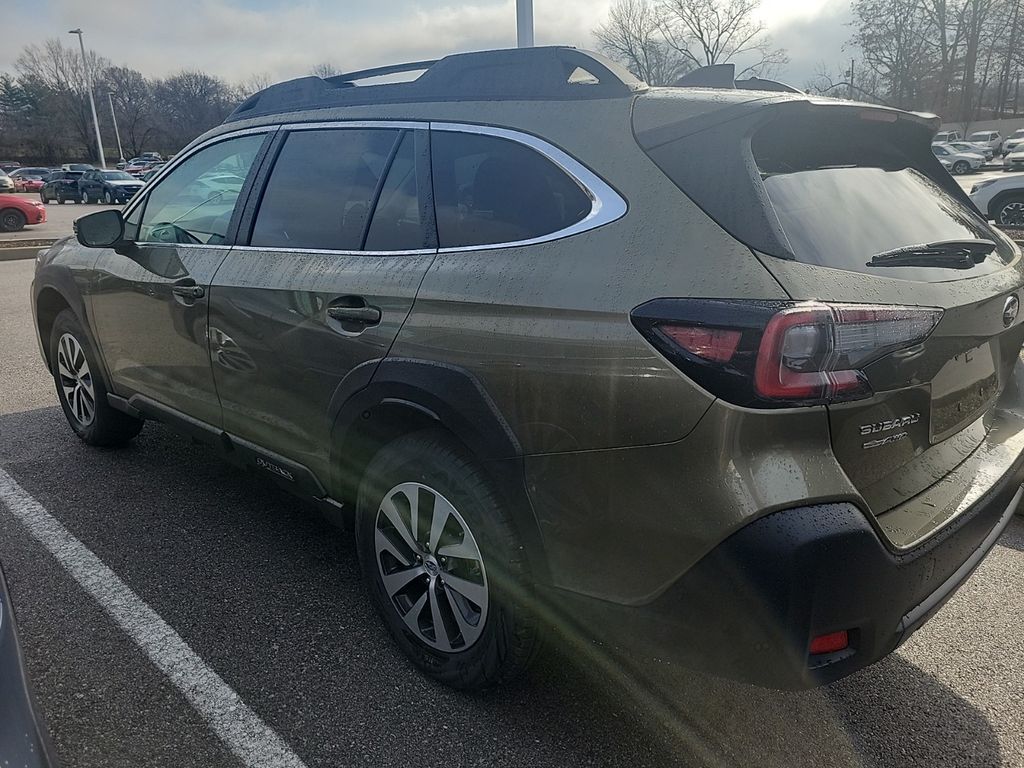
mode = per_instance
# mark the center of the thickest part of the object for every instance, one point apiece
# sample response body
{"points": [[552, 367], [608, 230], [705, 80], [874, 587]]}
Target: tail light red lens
{"points": [[816, 351], [778, 354], [715, 344]]}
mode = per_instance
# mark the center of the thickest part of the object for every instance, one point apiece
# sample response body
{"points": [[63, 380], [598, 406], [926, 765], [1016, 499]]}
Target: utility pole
{"points": [[524, 23], [92, 102], [117, 133], [849, 79]]}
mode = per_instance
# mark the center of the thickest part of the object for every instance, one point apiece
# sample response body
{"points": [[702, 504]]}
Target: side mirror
{"points": [[102, 229]]}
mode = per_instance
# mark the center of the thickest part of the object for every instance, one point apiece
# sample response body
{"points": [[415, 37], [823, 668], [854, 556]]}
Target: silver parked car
{"points": [[956, 162]]}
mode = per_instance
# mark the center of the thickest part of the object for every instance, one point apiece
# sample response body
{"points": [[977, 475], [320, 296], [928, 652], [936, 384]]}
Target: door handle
{"points": [[187, 289], [362, 314]]}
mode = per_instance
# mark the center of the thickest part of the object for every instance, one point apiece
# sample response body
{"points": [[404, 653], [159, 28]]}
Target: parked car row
{"points": [[990, 141]]}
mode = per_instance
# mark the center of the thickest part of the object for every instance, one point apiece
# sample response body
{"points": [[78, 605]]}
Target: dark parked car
{"points": [[24, 740], [107, 186], [61, 186], [667, 366]]}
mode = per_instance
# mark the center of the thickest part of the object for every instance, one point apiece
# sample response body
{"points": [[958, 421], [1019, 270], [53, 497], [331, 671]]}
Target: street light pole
{"points": [[117, 133], [92, 103], [524, 23]]}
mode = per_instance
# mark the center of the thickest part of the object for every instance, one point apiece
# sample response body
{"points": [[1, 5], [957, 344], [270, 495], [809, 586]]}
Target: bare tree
{"points": [[324, 69], [254, 83], [706, 32], [133, 103], [60, 69], [632, 35]]}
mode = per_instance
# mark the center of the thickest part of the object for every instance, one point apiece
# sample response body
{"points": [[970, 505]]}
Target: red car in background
{"points": [[29, 179], [28, 183], [17, 212]]}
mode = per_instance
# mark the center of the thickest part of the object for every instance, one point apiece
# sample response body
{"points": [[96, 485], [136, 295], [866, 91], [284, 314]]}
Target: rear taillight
{"points": [[775, 354]]}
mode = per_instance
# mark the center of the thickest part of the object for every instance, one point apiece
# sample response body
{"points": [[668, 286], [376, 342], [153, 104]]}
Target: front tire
{"points": [[12, 220], [1009, 212], [960, 167], [108, 198], [443, 564], [83, 197], [81, 389]]}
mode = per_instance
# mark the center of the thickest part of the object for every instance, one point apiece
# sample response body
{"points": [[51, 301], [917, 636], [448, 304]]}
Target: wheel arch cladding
{"points": [[377, 404], [49, 303]]}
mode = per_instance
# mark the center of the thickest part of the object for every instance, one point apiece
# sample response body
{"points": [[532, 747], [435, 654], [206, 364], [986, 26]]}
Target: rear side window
{"points": [[322, 188], [489, 190]]}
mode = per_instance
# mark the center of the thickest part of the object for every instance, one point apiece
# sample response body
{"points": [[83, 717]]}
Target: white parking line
{"points": [[241, 730]]}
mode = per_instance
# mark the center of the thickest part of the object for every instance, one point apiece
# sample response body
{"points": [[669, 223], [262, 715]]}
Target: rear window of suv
{"points": [[829, 185], [842, 201]]}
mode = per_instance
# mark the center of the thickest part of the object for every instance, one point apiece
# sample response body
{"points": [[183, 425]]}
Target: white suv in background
{"points": [[1014, 142], [1001, 199], [991, 139]]}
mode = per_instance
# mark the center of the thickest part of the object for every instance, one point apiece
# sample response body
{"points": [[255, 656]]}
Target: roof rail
{"points": [[555, 73], [392, 69], [724, 76]]}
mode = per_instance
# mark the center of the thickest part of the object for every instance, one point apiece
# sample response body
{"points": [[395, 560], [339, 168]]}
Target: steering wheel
{"points": [[168, 232]]}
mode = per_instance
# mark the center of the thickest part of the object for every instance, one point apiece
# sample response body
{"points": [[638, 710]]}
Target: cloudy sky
{"points": [[284, 38]]}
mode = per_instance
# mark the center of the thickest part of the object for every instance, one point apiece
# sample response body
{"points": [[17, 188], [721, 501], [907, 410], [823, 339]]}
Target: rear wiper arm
{"points": [[951, 254]]}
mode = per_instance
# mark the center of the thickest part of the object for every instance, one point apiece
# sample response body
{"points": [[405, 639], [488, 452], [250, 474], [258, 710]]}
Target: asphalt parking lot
{"points": [[268, 598]]}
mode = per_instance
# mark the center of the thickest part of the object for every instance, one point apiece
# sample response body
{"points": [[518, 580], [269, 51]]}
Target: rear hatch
{"points": [[846, 206]]}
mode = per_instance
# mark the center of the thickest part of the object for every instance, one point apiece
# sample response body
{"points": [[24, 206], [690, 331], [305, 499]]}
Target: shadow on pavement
{"points": [[270, 596]]}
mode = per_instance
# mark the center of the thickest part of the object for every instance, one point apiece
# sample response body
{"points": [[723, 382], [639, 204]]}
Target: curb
{"points": [[20, 252]]}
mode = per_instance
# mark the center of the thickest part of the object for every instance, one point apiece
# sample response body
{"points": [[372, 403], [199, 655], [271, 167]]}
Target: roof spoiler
{"points": [[724, 76]]}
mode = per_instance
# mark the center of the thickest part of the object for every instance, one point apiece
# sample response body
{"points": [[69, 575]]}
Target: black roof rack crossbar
{"points": [[549, 73], [391, 69]]}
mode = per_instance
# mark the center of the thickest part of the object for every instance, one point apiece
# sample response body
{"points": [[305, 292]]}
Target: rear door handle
{"points": [[187, 289], [362, 314]]}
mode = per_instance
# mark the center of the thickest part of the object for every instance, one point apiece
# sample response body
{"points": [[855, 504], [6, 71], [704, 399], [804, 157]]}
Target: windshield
{"points": [[981, 137], [117, 176]]}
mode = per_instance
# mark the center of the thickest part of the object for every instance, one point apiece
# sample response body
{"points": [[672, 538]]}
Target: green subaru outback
{"points": [[721, 372]]}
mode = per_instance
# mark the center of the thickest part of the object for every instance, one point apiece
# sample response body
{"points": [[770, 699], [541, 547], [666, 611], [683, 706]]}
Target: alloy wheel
{"points": [[431, 567], [76, 379], [1012, 215]]}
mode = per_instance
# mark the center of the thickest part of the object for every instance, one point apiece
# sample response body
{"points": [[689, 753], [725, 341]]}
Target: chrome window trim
{"points": [[335, 252], [607, 205], [397, 125]]}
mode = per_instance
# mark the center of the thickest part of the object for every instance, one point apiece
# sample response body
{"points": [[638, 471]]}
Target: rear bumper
{"points": [[749, 609]]}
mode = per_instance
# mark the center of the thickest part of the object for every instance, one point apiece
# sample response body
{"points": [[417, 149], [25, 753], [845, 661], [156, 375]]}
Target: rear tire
{"points": [[83, 197], [81, 389], [474, 564], [11, 220]]}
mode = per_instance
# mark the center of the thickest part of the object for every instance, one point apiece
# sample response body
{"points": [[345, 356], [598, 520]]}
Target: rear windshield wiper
{"points": [[951, 254]]}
